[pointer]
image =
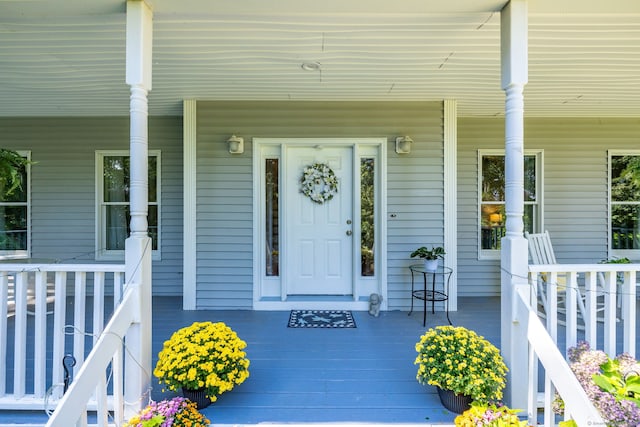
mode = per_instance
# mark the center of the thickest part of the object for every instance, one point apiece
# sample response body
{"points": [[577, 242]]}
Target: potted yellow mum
{"points": [[203, 360], [462, 364]]}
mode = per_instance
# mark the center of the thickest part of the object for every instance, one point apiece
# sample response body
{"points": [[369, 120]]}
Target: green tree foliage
{"points": [[12, 167]]}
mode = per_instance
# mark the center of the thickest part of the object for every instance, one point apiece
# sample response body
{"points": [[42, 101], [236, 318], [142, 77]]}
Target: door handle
{"points": [[349, 232]]}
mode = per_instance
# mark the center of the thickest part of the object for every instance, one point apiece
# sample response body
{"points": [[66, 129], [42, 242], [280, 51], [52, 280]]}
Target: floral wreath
{"points": [[319, 182]]}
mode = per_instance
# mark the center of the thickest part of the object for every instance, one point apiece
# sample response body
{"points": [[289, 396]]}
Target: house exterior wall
{"points": [[225, 184], [575, 188], [63, 188]]}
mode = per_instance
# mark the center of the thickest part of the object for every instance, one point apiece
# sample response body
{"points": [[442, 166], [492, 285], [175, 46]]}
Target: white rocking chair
{"points": [[541, 252]]}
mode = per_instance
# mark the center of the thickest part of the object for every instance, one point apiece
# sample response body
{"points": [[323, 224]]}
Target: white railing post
{"points": [[40, 338], [628, 312], [20, 335], [59, 316], [4, 294], [138, 246], [514, 254]]}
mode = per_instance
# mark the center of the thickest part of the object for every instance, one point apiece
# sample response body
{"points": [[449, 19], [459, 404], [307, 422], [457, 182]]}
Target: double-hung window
{"points": [[113, 203], [624, 204], [15, 215], [491, 197]]}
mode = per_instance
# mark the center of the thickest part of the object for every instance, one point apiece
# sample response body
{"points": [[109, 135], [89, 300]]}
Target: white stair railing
{"points": [[557, 373], [608, 296], [44, 300], [108, 351]]}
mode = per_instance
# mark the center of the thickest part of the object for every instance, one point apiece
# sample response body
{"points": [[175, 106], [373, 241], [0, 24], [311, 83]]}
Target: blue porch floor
{"points": [[363, 375]]}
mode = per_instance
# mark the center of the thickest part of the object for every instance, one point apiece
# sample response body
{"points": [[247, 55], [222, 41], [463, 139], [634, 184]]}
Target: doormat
{"points": [[321, 319]]}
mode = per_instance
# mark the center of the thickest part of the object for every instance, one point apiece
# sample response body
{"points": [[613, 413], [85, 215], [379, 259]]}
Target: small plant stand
{"points": [[440, 276]]}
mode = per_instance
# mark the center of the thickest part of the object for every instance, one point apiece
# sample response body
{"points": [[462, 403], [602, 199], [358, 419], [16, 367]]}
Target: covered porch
{"points": [[364, 374], [361, 375], [209, 273]]}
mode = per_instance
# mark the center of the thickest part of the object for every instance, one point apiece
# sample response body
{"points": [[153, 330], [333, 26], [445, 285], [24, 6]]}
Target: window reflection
{"points": [[367, 194], [492, 206], [13, 215], [271, 220], [625, 202], [116, 201]]}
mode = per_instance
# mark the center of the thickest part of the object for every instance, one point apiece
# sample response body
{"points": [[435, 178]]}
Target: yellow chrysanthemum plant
{"points": [[458, 359], [204, 356]]}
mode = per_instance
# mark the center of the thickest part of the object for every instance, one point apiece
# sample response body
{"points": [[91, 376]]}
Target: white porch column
{"points": [[451, 196], [189, 150], [138, 246], [514, 255]]}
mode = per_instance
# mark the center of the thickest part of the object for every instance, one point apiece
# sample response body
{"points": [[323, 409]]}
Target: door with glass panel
{"points": [[318, 238]]}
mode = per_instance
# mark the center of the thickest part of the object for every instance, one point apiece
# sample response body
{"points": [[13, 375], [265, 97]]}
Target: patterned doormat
{"points": [[321, 319]]}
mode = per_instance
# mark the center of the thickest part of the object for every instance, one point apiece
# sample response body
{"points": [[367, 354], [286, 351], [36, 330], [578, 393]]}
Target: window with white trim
{"points": [[113, 219], [624, 204], [15, 223], [491, 197]]}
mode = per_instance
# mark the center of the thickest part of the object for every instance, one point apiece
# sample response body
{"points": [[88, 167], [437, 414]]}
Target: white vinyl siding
{"points": [[63, 206], [575, 188], [225, 183]]}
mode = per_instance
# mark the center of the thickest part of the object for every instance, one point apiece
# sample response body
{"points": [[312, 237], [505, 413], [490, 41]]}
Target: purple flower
{"points": [[584, 364]]}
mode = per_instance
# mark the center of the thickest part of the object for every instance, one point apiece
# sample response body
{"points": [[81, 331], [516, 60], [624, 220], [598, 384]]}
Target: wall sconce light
{"points": [[403, 144], [236, 145]]}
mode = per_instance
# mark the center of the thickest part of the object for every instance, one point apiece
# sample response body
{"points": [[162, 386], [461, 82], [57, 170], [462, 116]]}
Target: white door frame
{"points": [[268, 292]]}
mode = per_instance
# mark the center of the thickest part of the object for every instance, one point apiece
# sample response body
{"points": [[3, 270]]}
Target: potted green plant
{"points": [[462, 364], [430, 256], [203, 360]]}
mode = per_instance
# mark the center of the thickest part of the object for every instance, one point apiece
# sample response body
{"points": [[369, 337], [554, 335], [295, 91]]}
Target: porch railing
{"points": [[44, 304], [557, 373], [591, 302], [607, 292], [108, 351]]}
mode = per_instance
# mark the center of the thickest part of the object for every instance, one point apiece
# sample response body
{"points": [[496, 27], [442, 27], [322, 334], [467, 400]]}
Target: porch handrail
{"points": [[558, 374], [615, 286], [34, 286], [107, 350]]}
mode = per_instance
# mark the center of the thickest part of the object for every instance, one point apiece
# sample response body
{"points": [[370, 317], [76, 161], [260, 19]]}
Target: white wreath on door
{"points": [[319, 182]]}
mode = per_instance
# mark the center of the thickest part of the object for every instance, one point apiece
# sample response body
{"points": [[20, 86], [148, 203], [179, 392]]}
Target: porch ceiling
{"points": [[66, 57]]}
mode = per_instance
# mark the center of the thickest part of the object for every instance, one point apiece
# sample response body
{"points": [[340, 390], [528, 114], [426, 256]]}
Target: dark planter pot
{"points": [[197, 396], [457, 403]]}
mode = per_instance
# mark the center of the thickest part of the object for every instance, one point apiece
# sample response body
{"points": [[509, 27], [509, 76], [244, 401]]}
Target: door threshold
{"points": [[312, 302], [320, 298]]}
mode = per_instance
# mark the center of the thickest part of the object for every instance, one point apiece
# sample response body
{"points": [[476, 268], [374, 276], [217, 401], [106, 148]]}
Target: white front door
{"points": [[319, 242]]}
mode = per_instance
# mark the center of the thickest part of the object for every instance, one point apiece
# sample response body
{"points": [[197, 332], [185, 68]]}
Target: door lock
{"points": [[349, 232], [348, 222]]}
